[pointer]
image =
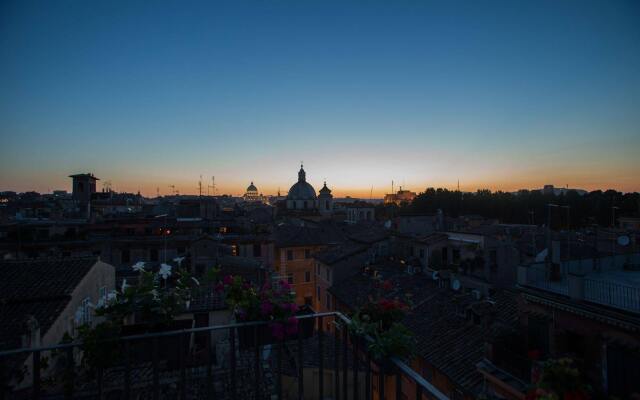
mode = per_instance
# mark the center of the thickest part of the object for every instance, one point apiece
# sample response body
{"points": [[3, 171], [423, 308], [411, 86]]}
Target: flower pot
{"points": [[249, 336]]}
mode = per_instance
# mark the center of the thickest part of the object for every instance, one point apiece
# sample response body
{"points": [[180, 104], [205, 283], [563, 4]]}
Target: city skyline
{"points": [[421, 93]]}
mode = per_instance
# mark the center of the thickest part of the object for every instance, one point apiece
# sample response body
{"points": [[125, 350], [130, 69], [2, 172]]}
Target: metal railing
{"points": [[206, 363], [542, 277], [612, 294]]}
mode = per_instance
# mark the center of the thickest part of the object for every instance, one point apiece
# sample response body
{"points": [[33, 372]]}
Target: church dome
{"points": [[325, 190], [301, 190], [252, 188]]}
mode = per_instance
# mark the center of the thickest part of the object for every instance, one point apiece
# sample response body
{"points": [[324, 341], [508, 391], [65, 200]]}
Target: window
{"points": [[125, 257], [307, 276], [305, 205], [86, 311], [421, 253], [328, 301], [493, 258], [318, 292], [307, 253], [290, 278], [456, 256], [326, 205], [328, 275], [289, 255]]}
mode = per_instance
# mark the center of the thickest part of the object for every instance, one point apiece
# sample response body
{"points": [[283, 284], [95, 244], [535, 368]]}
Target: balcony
{"points": [[223, 362], [612, 281]]}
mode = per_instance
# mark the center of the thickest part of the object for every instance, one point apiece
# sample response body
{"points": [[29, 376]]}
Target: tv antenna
{"points": [[173, 189], [212, 186], [200, 186]]}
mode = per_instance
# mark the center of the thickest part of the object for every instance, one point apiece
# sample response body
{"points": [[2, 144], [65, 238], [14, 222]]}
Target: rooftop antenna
{"points": [[371, 193], [212, 186], [200, 186], [107, 186], [173, 189], [392, 186], [157, 191], [458, 185]]}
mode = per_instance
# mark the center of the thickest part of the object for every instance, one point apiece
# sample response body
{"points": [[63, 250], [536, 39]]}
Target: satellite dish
{"points": [[623, 240], [434, 275], [455, 285]]}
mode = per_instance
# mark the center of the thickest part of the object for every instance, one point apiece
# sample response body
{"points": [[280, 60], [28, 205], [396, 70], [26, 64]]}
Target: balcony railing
{"points": [[222, 362], [612, 294]]}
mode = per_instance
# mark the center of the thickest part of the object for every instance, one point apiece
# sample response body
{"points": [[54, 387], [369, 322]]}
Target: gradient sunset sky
{"points": [[500, 95]]}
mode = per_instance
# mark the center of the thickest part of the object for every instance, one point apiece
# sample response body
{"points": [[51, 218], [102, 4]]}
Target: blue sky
{"points": [[500, 95]]}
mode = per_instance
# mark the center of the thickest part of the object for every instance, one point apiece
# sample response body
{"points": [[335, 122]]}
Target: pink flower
{"points": [[266, 308], [227, 280], [277, 330], [284, 285]]}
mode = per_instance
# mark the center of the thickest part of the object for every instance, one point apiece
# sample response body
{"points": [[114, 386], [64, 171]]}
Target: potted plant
{"points": [[377, 327], [273, 303], [149, 306], [559, 379]]}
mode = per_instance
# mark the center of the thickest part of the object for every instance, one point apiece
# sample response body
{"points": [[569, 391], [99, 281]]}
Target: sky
{"points": [[498, 95]]}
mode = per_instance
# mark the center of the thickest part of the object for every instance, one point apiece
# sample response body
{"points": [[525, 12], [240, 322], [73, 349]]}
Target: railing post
{"points": [[355, 368], [209, 378], [321, 360], [183, 372], [127, 370], [367, 389], [398, 386], [345, 364], [257, 367], [36, 374], [232, 354], [380, 382], [279, 377], [70, 373], [300, 366], [336, 360], [156, 373]]}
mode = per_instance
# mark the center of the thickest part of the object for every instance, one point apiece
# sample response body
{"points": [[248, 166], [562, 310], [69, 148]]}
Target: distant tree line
{"points": [[527, 207]]}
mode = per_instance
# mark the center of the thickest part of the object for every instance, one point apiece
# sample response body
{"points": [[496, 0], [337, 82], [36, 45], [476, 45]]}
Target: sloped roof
{"points": [[41, 289], [445, 337]]}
